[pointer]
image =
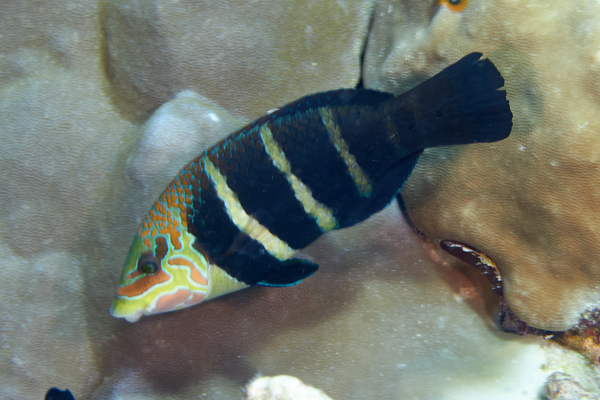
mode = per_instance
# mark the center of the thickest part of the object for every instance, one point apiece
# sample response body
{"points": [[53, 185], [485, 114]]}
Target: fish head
{"points": [[164, 271]]}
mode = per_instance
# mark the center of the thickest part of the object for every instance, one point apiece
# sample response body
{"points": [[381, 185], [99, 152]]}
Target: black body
{"points": [[385, 135]]}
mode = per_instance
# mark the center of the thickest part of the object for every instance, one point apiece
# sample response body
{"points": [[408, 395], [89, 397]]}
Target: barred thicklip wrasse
{"points": [[236, 215]]}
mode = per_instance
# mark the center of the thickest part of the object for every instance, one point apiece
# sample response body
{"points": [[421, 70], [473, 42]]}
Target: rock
{"points": [[176, 133], [529, 202], [282, 388], [248, 57], [561, 386], [59, 136]]}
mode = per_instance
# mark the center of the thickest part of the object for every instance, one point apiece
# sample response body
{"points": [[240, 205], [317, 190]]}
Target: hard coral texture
{"points": [[530, 202], [561, 386], [247, 56], [101, 102], [59, 135]]}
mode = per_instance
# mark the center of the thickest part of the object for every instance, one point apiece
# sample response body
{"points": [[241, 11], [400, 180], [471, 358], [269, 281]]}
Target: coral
{"points": [[530, 202], [249, 58], [584, 338], [100, 102], [569, 376], [174, 134], [561, 386], [282, 388], [59, 136]]}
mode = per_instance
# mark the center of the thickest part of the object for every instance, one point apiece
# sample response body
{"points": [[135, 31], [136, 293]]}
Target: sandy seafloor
{"points": [[101, 102]]}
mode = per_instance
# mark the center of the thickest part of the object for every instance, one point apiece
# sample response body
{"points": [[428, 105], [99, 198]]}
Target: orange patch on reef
{"points": [[585, 338], [456, 6], [195, 274]]}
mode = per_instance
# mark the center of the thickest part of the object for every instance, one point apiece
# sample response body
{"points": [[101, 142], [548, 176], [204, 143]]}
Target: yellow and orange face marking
{"points": [[455, 5], [181, 279], [139, 286], [184, 277], [195, 274], [181, 298]]}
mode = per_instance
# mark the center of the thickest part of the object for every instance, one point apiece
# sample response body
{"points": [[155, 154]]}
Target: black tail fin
{"points": [[462, 104]]}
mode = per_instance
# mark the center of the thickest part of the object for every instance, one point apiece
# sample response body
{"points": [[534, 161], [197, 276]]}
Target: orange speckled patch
{"points": [[162, 219], [455, 5], [195, 274]]}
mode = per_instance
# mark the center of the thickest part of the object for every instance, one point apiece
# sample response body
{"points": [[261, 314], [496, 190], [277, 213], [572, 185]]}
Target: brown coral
{"points": [[530, 202]]}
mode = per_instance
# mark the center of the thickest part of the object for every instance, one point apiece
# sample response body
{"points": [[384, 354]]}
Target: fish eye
{"points": [[149, 268], [148, 264], [454, 2]]}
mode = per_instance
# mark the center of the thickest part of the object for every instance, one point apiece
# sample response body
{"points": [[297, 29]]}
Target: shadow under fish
{"points": [[236, 215]]}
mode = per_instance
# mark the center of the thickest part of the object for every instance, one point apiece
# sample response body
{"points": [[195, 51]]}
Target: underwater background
{"points": [[102, 102]]}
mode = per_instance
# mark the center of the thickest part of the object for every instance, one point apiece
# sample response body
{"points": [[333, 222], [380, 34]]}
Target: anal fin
{"points": [[288, 273]]}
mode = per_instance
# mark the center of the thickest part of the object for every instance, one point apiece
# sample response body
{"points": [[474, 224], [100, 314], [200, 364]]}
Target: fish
{"points": [[237, 214]]}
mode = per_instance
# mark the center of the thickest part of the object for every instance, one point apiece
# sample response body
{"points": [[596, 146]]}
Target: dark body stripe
{"points": [[212, 227], [316, 162], [387, 155], [219, 239], [263, 190], [307, 144], [267, 196]]}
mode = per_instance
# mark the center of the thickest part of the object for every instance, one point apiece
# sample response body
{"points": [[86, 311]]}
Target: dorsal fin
{"points": [[331, 99]]}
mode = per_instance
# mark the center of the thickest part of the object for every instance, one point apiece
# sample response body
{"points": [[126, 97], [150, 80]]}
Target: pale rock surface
{"points": [[571, 375], [561, 386], [529, 202], [177, 132], [245, 55], [59, 134], [282, 388]]}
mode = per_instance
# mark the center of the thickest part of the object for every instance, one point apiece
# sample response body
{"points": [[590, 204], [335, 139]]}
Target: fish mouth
{"points": [[119, 310], [180, 297]]}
